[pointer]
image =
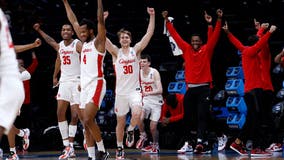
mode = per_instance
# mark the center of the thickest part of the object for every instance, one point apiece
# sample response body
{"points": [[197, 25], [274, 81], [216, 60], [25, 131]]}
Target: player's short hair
{"points": [[171, 100], [125, 32], [146, 56], [90, 24]]}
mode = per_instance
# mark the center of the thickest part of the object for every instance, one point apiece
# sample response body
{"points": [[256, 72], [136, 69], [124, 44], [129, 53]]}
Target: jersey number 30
{"points": [[127, 69]]}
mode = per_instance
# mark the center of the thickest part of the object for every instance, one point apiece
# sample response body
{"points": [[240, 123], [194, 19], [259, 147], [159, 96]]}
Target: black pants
{"points": [[255, 119], [196, 111]]}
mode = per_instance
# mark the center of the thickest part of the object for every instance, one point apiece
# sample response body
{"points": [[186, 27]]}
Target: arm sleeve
{"points": [[213, 39], [33, 66], [260, 32], [236, 42], [164, 111], [209, 31]]}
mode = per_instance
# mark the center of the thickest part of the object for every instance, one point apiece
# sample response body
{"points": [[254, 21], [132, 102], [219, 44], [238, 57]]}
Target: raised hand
{"points": [[265, 25], [256, 24], [225, 27], [36, 26], [106, 13], [165, 14], [151, 11], [37, 42], [207, 17], [219, 13], [272, 28]]}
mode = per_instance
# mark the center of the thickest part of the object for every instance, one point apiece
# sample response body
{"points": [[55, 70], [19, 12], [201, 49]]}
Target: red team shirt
{"points": [[250, 61], [197, 63], [31, 69], [265, 64], [177, 113]]}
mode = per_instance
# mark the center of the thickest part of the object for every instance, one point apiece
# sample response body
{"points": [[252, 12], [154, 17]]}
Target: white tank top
{"points": [[127, 73], [70, 61], [91, 63], [8, 62], [148, 84]]}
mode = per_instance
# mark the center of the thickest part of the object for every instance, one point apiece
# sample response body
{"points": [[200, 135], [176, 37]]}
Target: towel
{"points": [[175, 49]]}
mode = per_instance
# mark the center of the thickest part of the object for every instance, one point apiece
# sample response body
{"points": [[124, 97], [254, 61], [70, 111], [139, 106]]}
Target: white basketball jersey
{"points": [[127, 73], [70, 62], [148, 84], [8, 62], [91, 63]]}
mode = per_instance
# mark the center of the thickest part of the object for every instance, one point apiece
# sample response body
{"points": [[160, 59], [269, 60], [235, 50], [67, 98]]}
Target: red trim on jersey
{"points": [[97, 95], [100, 62]]}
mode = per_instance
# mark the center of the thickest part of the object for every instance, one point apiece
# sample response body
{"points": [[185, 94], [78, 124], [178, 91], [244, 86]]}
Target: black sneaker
{"points": [[12, 156], [100, 155], [119, 153], [130, 139], [202, 149]]}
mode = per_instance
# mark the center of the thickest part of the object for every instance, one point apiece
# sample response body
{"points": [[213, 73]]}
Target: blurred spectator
{"points": [[171, 121]]}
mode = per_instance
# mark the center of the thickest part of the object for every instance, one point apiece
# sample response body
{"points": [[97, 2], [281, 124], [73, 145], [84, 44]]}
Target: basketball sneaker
{"points": [[155, 149], [130, 139], [119, 153], [186, 148], [257, 152], [65, 153], [148, 148], [26, 140], [72, 153], [102, 155], [239, 148], [274, 147], [12, 156], [1, 153], [202, 149], [222, 141], [141, 141]]}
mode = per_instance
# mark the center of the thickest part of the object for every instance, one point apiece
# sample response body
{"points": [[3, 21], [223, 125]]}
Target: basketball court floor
{"points": [[132, 154]]}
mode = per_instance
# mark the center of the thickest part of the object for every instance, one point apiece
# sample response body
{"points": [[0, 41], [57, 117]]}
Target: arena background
{"points": [[132, 15]]}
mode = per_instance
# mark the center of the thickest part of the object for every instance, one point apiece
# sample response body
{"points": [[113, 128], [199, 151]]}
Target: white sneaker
{"points": [[222, 141], [1, 153], [26, 140], [274, 147], [186, 148]]}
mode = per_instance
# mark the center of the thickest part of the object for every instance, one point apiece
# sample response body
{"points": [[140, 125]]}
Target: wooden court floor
{"points": [[132, 154]]}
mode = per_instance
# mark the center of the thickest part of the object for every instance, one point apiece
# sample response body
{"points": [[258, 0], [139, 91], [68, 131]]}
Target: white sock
{"points": [[13, 149], [72, 130], [119, 144], [91, 152], [101, 146]]}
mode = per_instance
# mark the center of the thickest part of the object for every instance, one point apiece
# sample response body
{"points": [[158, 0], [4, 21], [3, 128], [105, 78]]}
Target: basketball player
{"points": [[197, 57], [152, 104], [68, 62], [11, 84], [128, 91], [25, 75], [93, 84]]}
